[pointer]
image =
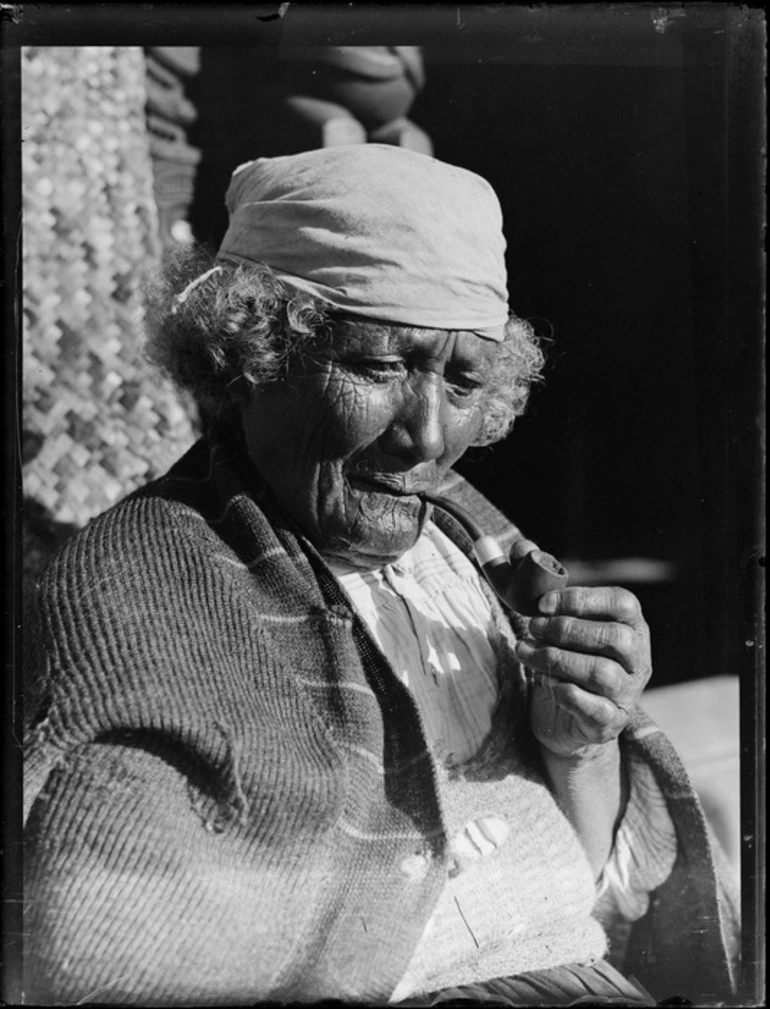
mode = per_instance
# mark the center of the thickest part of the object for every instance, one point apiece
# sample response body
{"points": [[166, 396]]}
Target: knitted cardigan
{"points": [[223, 774]]}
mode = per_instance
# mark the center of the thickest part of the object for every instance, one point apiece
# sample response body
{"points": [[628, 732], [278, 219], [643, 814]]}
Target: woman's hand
{"points": [[590, 655]]}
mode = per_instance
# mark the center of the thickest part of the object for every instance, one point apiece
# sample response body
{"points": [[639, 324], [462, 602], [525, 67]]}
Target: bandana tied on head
{"points": [[376, 231]]}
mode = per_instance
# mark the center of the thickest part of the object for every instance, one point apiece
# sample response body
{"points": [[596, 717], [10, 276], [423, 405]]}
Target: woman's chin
{"points": [[374, 550], [372, 529]]}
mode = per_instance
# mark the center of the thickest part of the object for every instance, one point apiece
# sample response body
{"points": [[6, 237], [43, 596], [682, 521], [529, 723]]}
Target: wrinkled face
{"points": [[376, 414]]}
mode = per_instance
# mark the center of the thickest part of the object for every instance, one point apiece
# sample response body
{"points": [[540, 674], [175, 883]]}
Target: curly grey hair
{"points": [[240, 323]]}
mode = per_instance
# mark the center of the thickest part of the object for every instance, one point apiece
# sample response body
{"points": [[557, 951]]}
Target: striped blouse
{"points": [[433, 621]]}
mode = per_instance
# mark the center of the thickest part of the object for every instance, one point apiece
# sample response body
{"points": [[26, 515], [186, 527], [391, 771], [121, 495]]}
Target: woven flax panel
{"points": [[97, 422]]}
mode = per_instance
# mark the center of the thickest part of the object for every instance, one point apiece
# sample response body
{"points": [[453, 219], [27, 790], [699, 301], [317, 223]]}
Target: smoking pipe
{"points": [[518, 585]]}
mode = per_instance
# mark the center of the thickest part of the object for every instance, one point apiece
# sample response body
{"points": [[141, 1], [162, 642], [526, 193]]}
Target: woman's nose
{"points": [[417, 431]]}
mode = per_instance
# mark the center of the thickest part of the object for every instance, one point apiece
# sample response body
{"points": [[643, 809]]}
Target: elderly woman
{"points": [[286, 743]]}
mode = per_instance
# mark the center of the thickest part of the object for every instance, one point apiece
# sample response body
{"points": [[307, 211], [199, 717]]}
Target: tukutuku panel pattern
{"points": [[97, 421]]}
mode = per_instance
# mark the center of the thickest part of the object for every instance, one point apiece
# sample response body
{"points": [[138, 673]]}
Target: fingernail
{"points": [[524, 650], [520, 549], [537, 626], [548, 602]]}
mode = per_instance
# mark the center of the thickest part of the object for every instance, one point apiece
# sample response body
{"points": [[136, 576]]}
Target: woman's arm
{"points": [[141, 887], [592, 792], [589, 653]]}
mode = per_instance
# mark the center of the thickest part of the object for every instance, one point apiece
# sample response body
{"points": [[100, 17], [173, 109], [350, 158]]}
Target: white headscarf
{"points": [[377, 231]]}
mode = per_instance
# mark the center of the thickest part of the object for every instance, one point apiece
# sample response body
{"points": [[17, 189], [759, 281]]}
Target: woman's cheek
{"points": [[463, 429], [347, 412]]}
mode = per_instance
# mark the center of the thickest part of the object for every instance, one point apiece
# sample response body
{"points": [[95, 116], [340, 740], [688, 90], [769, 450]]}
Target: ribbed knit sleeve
{"points": [[686, 942], [147, 816], [644, 851]]}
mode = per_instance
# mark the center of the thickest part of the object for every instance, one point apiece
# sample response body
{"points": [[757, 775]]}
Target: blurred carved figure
{"points": [[355, 94], [174, 160]]}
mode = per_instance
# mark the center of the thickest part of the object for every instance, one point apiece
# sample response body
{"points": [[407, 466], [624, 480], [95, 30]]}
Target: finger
{"points": [[521, 547], [597, 637], [594, 673], [595, 602], [600, 720]]}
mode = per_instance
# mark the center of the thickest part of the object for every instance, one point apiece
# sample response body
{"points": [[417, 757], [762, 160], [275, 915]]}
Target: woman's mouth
{"points": [[394, 484]]}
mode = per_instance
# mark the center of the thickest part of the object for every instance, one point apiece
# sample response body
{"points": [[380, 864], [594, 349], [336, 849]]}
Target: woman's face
{"points": [[375, 415]]}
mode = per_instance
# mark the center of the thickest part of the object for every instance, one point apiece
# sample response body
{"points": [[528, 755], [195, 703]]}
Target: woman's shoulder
{"points": [[149, 534], [135, 602]]}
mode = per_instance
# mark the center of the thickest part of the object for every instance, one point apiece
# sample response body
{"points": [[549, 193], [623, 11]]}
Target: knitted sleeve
{"points": [[644, 851], [684, 944], [225, 805], [171, 808], [134, 892]]}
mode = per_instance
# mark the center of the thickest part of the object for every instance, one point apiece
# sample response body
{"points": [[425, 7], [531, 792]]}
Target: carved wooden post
{"points": [[174, 160], [357, 94]]}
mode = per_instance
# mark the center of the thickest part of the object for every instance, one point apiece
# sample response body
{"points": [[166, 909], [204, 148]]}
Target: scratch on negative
{"points": [[465, 922], [87, 998]]}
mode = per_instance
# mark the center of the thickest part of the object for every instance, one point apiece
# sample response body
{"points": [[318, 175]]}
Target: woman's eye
{"points": [[376, 369], [464, 385]]}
